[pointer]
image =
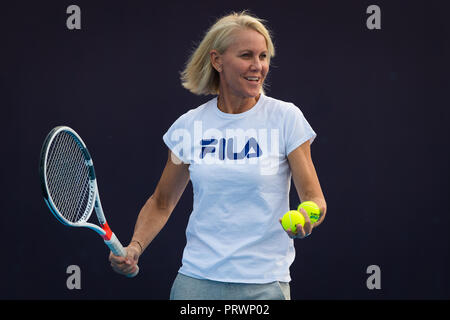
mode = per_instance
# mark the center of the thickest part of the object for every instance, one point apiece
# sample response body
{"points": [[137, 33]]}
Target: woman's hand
{"points": [[126, 265], [302, 232]]}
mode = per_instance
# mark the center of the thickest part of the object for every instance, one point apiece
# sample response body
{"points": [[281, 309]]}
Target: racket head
{"points": [[67, 176]]}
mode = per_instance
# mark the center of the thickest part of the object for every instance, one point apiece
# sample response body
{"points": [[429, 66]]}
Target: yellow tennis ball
{"points": [[312, 209], [291, 219]]}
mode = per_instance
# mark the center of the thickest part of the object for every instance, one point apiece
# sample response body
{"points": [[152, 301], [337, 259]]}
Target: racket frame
{"points": [[103, 230]]}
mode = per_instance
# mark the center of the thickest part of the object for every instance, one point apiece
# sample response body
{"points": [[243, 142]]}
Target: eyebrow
{"points": [[249, 50]]}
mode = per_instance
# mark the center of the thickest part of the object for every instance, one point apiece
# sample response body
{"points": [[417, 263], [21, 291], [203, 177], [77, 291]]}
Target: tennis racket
{"points": [[69, 185]]}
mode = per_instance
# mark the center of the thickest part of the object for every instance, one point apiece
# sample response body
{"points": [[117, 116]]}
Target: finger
{"points": [[132, 270], [116, 259], [308, 227], [318, 222], [305, 215], [129, 269], [120, 261], [124, 269], [300, 231], [117, 270], [290, 233]]}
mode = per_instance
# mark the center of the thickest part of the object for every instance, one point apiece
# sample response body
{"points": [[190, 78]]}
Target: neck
{"points": [[235, 105]]}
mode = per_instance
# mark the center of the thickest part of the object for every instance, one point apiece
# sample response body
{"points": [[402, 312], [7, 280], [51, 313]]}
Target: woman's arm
{"points": [[155, 213], [306, 180], [158, 208]]}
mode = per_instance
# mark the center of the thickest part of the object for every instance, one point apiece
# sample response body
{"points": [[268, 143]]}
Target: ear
{"points": [[216, 60]]}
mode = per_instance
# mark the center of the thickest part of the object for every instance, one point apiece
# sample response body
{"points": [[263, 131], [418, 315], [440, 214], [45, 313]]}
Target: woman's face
{"points": [[244, 65]]}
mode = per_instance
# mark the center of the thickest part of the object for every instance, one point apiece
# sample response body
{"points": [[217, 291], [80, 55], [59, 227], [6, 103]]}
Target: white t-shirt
{"points": [[241, 179]]}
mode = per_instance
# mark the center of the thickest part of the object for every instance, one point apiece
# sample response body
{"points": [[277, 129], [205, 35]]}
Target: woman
{"points": [[240, 150]]}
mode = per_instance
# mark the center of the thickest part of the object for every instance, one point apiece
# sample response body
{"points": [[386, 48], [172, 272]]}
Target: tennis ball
{"points": [[312, 209], [291, 219]]}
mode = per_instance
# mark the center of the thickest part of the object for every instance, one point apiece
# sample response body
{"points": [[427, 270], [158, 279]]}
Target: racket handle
{"points": [[117, 248]]}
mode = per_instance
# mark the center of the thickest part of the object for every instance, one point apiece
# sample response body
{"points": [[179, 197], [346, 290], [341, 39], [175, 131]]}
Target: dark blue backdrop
{"points": [[378, 100]]}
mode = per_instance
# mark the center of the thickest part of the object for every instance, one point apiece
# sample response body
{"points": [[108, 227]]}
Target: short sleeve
{"points": [[297, 130], [177, 138]]}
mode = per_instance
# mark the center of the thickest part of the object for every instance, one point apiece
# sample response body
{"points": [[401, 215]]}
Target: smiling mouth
{"points": [[252, 79]]}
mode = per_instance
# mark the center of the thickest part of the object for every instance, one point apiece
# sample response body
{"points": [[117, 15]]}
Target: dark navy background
{"points": [[377, 99]]}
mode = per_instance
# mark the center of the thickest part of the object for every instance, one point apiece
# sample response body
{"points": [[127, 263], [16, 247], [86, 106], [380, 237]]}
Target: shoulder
{"points": [[281, 107], [197, 112], [193, 114], [280, 104]]}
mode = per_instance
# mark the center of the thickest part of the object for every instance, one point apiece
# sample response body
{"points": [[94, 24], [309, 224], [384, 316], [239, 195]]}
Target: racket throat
{"points": [[108, 232]]}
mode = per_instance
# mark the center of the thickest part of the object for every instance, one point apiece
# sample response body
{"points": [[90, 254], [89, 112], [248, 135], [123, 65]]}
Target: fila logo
{"points": [[224, 147], [232, 146]]}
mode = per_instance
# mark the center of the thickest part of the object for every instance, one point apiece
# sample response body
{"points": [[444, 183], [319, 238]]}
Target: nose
{"points": [[256, 65]]}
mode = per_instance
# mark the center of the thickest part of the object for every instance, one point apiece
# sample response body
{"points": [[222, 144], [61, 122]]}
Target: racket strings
{"points": [[68, 178]]}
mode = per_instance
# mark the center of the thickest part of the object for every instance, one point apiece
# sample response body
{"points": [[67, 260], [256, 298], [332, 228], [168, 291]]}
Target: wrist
{"points": [[137, 244]]}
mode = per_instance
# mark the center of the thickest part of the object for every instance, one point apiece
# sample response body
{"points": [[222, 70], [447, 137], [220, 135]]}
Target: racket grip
{"points": [[116, 247]]}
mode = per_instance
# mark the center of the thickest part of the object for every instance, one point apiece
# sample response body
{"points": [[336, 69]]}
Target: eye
{"points": [[263, 56]]}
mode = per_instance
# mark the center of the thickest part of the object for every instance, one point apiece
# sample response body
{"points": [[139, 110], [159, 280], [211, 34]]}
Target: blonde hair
{"points": [[199, 76]]}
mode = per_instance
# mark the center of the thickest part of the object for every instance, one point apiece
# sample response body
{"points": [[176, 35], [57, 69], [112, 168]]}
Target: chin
{"points": [[253, 93]]}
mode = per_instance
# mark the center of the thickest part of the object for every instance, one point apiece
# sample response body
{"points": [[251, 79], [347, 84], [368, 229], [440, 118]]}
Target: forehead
{"points": [[248, 39]]}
